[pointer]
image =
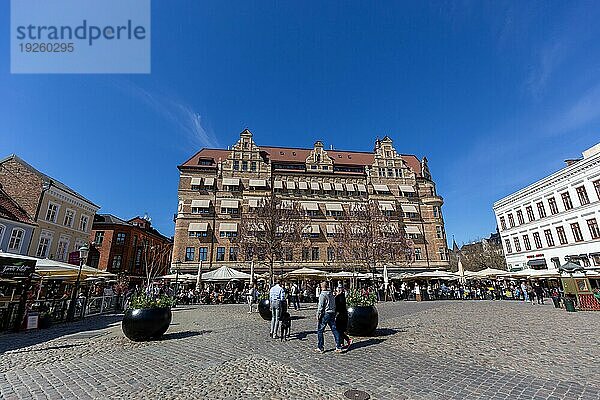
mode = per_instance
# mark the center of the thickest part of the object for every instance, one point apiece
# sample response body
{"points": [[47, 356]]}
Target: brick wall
{"points": [[21, 184]]}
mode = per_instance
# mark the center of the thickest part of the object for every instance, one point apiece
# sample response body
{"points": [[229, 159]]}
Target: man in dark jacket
{"points": [[326, 316]]}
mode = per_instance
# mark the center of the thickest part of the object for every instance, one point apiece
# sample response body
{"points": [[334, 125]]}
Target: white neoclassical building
{"points": [[555, 219]]}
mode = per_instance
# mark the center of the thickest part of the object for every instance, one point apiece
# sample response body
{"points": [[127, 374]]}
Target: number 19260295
{"points": [[46, 47]]}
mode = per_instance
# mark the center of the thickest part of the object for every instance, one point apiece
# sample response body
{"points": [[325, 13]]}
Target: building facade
{"points": [[556, 219], [63, 216], [16, 227], [217, 185], [124, 247]]}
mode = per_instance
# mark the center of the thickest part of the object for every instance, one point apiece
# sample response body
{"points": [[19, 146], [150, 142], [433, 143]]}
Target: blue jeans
{"points": [[327, 319], [275, 320]]}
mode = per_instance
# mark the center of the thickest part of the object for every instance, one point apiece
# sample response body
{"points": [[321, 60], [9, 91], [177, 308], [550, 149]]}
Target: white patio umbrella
{"points": [[305, 272], [490, 273], [224, 273]]}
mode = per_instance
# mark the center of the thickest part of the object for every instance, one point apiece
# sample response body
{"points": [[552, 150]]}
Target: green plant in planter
{"points": [[145, 301], [263, 296], [360, 298]]}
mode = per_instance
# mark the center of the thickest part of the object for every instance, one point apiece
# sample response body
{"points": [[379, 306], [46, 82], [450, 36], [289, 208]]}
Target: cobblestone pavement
{"points": [[433, 350]]}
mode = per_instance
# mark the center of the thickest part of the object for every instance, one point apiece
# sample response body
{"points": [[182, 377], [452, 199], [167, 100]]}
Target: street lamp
{"points": [[178, 266], [83, 254]]}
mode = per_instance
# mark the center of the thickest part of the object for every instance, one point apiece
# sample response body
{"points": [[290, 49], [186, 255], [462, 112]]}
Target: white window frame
{"points": [[48, 236], [67, 243], [72, 218], [87, 221], [51, 203], [12, 235], [2, 230]]}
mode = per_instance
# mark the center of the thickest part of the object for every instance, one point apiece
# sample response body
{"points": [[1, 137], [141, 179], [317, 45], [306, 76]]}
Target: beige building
{"points": [[64, 217], [217, 185]]}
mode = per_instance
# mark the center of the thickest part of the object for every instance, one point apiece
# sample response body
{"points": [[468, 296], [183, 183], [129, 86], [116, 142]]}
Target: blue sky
{"points": [[495, 94]]}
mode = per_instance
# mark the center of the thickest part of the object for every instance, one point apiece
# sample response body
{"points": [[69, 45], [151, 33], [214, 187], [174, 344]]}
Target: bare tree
{"points": [[270, 230], [156, 259], [369, 237], [479, 255]]}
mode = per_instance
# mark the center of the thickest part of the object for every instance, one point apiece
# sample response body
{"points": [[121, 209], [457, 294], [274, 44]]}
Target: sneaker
{"points": [[339, 350], [349, 343], [320, 351]]}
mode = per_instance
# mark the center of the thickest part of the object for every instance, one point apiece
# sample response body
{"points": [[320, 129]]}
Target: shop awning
{"points": [[409, 208], [230, 203], [315, 186], [389, 228], [200, 203], [287, 204], [198, 227], [290, 185], [538, 262], [228, 227], [257, 183], [406, 188], [302, 185], [231, 181], [338, 186], [277, 185], [196, 181], [209, 181], [326, 186], [386, 206], [412, 230], [350, 187], [334, 207], [361, 188], [309, 206], [254, 203], [381, 188]]}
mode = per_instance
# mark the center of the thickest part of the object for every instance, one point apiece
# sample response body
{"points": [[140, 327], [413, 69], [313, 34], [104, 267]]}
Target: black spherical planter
{"points": [[362, 320], [143, 324], [264, 309]]}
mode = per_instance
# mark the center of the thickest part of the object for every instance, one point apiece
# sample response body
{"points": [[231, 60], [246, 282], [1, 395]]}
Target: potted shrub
{"points": [[264, 306], [147, 317], [362, 313]]}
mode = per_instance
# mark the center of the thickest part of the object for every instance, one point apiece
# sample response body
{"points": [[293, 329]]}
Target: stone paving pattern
{"points": [[430, 350]]}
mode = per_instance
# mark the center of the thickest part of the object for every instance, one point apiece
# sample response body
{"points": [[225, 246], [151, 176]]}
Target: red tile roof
{"points": [[294, 155], [10, 210]]}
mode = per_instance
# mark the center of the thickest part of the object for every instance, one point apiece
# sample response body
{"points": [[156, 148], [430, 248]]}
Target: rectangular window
{"points": [[508, 246], [597, 187], [520, 217], [526, 242], [233, 254], [203, 253], [577, 232], [230, 211], [16, 238], [99, 237], [436, 211], [417, 253], [562, 237], [220, 253], [197, 234], [517, 244], [228, 234], [537, 240], [288, 253], [189, 254], [541, 209], [83, 223], [502, 223], [439, 231], [121, 238], [553, 206], [566, 198], [200, 210], [62, 249], [511, 220], [253, 166], [442, 253], [593, 227], [69, 217], [52, 212], [549, 238], [530, 215], [236, 165], [583, 196], [305, 254], [244, 165], [43, 245], [116, 264], [315, 254], [330, 254]]}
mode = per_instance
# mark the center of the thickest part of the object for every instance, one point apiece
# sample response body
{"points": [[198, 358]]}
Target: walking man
{"points": [[276, 298], [295, 292], [326, 316], [252, 297]]}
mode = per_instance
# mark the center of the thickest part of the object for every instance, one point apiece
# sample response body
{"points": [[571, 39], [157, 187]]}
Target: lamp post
{"points": [[177, 266], [83, 253]]}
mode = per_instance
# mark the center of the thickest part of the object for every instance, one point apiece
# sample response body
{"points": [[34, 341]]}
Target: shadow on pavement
{"points": [[365, 343], [388, 331], [183, 335], [13, 341]]}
